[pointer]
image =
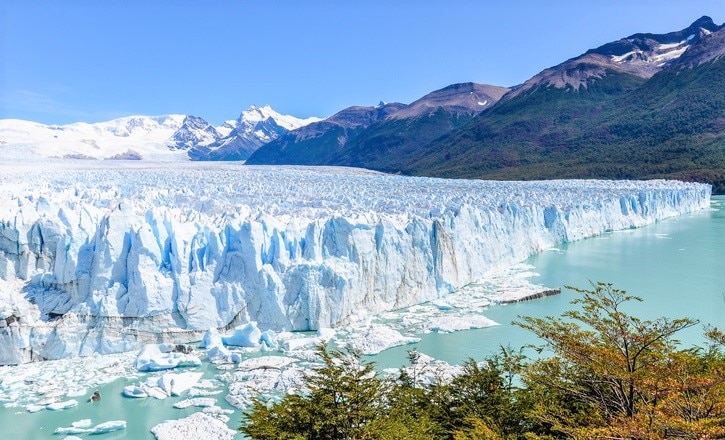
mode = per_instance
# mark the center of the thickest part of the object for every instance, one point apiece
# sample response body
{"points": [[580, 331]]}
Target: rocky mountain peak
{"points": [[460, 99], [642, 55]]}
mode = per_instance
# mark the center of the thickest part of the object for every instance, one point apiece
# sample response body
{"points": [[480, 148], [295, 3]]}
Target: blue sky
{"points": [[67, 61]]}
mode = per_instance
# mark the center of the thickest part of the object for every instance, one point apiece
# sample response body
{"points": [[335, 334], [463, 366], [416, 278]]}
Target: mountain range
{"points": [[168, 137], [644, 106]]}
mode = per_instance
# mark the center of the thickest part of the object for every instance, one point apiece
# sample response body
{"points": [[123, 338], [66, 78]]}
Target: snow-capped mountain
{"points": [[129, 137], [193, 132], [169, 137], [373, 137], [255, 127], [641, 55]]}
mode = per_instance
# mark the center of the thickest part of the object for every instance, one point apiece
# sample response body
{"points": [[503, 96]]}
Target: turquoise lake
{"points": [[677, 266]]}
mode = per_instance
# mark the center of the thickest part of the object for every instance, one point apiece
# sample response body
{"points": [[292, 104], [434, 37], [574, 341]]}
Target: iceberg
{"points": [[247, 335], [111, 426], [83, 427], [155, 357], [135, 391], [201, 402], [105, 258], [377, 338], [62, 405], [449, 324], [166, 385]]}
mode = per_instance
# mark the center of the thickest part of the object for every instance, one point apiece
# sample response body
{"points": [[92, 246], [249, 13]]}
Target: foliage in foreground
{"points": [[610, 376]]}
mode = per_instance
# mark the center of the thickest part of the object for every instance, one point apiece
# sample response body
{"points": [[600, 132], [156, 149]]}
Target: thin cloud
{"points": [[26, 103]]}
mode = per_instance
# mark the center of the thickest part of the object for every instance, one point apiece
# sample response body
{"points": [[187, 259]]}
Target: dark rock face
{"points": [[641, 55], [255, 127], [711, 47], [364, 136]]}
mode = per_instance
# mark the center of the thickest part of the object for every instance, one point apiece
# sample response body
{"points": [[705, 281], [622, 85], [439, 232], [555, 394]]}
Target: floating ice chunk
{"points": [[156, 393], [269, 339], [83, 423], [198, 426], [161, 387], [211, 338], [218, 354], [447, 324], [72, 430], [181, 382], [247, 335], [377, 338], [34, 408], [134, 391], [298, 343], [84, 427], [196, 392], [266, 362], [201, 402], [57, 406], [110, 426], [155, 357], [217, 410], [264, 376]]}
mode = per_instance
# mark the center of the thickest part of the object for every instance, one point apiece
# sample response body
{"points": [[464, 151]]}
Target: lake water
{"points": [[677, 266]]}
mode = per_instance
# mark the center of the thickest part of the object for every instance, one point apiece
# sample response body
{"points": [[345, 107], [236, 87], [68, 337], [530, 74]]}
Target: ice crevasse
{"points": [[102, 259]]}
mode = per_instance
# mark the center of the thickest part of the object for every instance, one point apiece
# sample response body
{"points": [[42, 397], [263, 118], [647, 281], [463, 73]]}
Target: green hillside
{"points": [[619, 126]]}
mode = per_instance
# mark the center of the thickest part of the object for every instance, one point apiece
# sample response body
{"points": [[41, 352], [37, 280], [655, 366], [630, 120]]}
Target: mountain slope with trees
{"points": [[646, 106], [671, 125]]}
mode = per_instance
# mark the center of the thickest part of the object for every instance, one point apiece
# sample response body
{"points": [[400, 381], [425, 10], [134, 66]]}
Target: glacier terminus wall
{"points": [[100, 258]]}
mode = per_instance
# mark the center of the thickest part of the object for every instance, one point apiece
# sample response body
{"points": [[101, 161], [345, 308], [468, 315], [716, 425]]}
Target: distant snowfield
{"points": [[142, 136], [152, 138], [102, 257]]}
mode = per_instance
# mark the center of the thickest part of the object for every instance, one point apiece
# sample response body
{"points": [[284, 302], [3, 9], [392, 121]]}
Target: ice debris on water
{"points": [[218, 347], [35, 386], [196, 426], [166, 385], [377, 338], [155, 357]]}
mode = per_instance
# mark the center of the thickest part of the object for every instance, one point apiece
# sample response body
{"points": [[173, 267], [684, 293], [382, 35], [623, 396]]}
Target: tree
{"points": [[611, 376], [344, 396], [614, 375]]}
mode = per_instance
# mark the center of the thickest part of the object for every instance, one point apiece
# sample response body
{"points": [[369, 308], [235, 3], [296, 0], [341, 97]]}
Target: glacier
{"points": [[100, 257]]}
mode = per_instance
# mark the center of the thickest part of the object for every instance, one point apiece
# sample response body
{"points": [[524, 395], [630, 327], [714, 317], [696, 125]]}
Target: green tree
{"points": [[344, 396], [614, 375]]}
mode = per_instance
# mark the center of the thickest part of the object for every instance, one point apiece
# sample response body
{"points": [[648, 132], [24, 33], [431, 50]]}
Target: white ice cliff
{"points": [[102, 258]]}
